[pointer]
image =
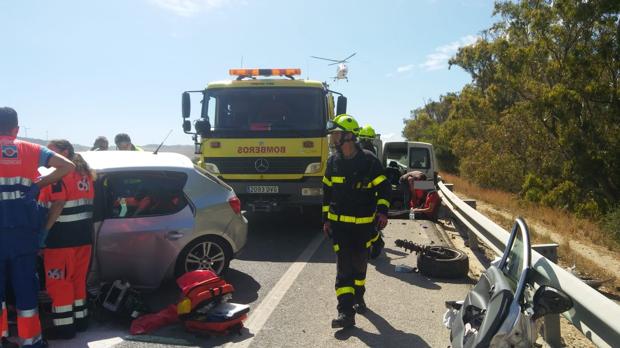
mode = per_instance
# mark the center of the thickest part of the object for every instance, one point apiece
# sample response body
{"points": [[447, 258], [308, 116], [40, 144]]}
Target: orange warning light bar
{"points": [[265, 72]]}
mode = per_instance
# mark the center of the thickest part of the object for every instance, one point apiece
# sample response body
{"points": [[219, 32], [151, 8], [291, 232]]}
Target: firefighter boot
{"points": [[343, 321], [360, 306]]}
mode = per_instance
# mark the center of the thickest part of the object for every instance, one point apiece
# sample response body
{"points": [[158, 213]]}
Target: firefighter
{"points": [[68, 244], [20, 223], [354, 207], [366, 136]]}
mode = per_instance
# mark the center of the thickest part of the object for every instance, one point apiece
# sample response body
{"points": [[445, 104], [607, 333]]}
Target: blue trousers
{"points": [[18, 270]]}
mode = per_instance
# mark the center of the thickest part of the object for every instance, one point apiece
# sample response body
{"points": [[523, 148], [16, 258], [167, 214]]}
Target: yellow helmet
{"points": [[367, 132], [343, 123]]}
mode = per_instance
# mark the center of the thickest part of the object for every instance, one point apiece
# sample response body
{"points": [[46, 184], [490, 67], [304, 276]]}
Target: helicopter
{"points": [[343, 70]]}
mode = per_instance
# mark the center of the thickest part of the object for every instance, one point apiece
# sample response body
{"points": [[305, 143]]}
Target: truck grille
{"points": [[262, 165]]}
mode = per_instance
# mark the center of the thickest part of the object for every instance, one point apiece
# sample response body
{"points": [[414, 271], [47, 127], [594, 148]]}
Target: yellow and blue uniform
{"points": [[355, 190]]}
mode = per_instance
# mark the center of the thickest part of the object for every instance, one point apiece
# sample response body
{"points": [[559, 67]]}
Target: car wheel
{"points": [[205, 253], [443, 262]]}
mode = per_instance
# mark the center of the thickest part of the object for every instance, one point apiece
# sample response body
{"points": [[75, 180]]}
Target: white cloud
{"points": [[404, 68], [439, 59], [188, 8]]}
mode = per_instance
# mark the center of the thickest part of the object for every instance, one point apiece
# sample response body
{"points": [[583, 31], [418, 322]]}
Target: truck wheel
{"points": [[443, 262]]}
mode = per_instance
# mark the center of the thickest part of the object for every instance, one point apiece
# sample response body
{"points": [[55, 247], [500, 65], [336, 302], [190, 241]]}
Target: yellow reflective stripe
{"points": [[378, 180], [338, 179], [325, 208], [345, 290], [369, 243], [365, 220], [346, 218], [351, 219], [383, 202], [360, 282], [336, 248], [327, 182]]}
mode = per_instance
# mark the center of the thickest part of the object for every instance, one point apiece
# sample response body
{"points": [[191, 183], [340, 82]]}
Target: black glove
{"points": [[377, 246]]}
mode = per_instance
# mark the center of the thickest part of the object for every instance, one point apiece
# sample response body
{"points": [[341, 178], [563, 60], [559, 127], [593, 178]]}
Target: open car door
{"points": [[494, 302]]}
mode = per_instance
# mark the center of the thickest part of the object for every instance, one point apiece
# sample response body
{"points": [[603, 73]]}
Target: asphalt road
{"points": [[286, 274]]}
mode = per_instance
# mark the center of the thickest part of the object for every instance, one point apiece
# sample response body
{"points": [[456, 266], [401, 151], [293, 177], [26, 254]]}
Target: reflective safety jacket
{"points": [[19, 163], [355, 189], [74, 226]]}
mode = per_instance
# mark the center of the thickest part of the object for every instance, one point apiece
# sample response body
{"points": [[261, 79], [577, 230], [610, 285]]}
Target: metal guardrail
{"points": [[596, 316]]}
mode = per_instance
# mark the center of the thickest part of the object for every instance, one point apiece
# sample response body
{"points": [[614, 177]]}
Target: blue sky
{"points": [[78, 69]]}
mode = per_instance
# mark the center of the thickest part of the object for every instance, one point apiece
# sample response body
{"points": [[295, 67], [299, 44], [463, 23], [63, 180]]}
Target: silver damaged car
{"points": [[158, 216]]}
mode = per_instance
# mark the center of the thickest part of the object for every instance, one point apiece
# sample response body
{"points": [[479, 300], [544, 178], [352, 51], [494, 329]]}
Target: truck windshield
{"points": [[267, 109]]}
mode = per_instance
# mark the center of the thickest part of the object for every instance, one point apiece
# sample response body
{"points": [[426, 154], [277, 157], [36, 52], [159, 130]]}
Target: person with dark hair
{"points": [[355, 205], [68, 245], [20, 223], [424, 203], [123, 143], [101, 144]]}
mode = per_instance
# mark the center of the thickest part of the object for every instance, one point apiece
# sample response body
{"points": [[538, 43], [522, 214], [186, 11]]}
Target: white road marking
{"points": [[259, 316], [105, 343]]}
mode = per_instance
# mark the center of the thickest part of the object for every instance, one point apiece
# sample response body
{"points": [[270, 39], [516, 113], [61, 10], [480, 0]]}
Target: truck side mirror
{"points": [[341, 105], [185, 105], [187, 126], [203, 127]]}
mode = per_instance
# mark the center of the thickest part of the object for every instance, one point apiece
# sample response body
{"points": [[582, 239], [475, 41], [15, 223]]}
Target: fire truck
{"points": [[264, 133]]}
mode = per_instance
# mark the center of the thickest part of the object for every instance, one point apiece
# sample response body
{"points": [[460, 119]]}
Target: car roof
{"points": [[112, 160]]}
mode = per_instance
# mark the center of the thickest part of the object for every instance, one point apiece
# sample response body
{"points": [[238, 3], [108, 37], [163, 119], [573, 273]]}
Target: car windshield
{"points": [[267, 109]]}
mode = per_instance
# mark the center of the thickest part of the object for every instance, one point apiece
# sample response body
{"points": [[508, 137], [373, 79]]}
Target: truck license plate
{"points": [[262, 189]]}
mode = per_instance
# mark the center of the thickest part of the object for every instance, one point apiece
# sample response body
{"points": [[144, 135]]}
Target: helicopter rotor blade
{"points": [[344, 60], [331, 60]]}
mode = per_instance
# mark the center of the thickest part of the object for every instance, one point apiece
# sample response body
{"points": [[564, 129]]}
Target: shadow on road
{"points": [[247, 287], [277, 237], [388, 336], [383, 264]]}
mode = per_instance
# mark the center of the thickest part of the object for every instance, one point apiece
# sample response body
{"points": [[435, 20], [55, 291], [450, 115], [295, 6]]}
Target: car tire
{"points": [[192, 256], [443, 262]]}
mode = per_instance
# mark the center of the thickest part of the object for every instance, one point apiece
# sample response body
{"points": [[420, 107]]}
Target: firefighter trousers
{"points": [[351, 242], [18, 270], [65, 279]]}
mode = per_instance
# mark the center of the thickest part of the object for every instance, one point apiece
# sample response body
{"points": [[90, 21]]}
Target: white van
{"points": [[411, 155], [401, 157]]}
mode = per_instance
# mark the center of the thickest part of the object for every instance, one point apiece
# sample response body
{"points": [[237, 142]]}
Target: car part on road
{"points": [[500, 311], [438, 261], [205, 253]]}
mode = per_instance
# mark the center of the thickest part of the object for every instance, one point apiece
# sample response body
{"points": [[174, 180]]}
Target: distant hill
{"points": [[187, 150], [77, 147]]}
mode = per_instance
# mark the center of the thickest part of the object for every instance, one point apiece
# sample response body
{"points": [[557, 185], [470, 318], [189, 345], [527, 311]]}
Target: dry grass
{"points": [[569, 258], [568, 225]]}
